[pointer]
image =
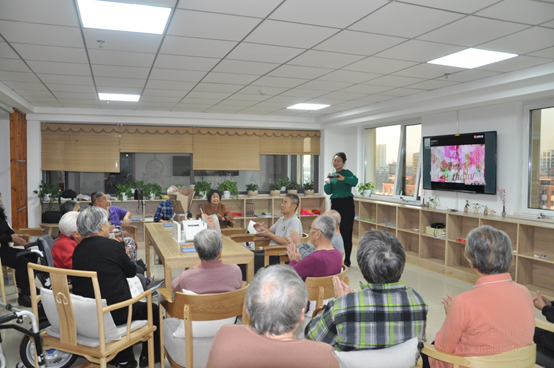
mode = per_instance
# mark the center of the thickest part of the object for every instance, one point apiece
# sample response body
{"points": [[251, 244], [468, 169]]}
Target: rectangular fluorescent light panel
{"points": [[305, 106], [118, 97], [123, 17], [472, 58]]}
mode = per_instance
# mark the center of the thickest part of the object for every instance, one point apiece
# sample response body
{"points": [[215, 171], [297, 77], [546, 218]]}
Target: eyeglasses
{"points": [[313, 228]]}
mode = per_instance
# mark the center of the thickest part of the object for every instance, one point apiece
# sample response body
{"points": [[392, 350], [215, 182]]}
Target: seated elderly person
{"points": [[165, 209], [325, 260], [117, 216], [306, 249], [62, 251], [69, 205], [215, 207], [107, 257], [275, 302], [384, 313], [283, 227], [497, 314], [210, 275]]}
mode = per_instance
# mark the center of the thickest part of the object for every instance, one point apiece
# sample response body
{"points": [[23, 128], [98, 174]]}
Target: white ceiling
{"points": [[258, 57]]}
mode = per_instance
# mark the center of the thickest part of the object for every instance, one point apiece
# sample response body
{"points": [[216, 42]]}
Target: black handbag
{"points": [[51, 217]]}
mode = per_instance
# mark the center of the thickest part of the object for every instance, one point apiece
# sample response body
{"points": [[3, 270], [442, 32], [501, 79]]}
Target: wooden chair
{"points": [[263, 243], [321, 288], [517, 358], [232, 231], [84, 326], [204, 307], [131, 229]]}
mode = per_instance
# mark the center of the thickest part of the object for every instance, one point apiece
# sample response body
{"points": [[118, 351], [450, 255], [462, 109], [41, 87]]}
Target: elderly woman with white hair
{"points": [[62, 251], [275, 302], [165, 209]]}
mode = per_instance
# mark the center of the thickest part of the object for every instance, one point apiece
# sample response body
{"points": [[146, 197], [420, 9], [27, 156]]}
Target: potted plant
{"points": [[433, 202], [365, 189], [476, 207], [292, 187], [282, 183], [201, 188], [48, 192], [123, 191], [152, 190], [252, 189], [309, 188], [485, 210], [466, 207], [229, 189], [274, 189]]}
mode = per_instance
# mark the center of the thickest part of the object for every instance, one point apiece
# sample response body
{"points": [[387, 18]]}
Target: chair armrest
{"points": [[38, 231], [127, 302], [165, 294], [545, 325], [432, 352]]}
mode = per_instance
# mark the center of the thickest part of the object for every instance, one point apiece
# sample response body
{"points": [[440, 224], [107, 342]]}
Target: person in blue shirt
{"points": [[165, 209]]}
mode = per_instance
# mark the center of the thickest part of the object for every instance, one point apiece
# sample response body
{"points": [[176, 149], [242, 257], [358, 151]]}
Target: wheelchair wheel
{"points": [[53, 358]]}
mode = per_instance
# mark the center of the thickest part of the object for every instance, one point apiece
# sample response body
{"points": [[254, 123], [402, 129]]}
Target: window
{"points": [[541, 168], [392, 159]]}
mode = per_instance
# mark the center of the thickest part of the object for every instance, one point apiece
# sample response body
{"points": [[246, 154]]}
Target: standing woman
{"points": [[339, 185]]}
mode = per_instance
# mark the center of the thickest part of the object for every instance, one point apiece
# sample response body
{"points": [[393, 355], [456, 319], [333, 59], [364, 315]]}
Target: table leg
{"points": [[250, 270], [147, 247], [168, 272]]}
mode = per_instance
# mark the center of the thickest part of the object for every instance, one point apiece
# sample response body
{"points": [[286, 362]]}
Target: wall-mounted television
{"points": [[460, 162]]}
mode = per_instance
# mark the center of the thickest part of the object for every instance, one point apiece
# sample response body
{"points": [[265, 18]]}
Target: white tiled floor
{"points": [[431, 285]]}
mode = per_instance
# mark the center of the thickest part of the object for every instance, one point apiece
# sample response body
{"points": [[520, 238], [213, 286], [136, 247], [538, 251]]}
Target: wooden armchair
{"points": [[84, 326], [228, 231], [517, 358], [263, 243], [321, 288], [204, 307], [132, 230]]}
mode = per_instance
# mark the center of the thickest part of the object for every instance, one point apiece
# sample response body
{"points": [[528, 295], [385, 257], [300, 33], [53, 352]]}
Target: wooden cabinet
{"points": [[533, 264]]}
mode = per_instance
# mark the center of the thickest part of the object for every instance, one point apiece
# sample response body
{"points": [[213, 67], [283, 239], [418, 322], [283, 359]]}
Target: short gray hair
{"points": [[489, 250], [68, 206], [207, 244], [68, 223], [90, 220], [95, 197], [172, 189], [334, 214], [381, 257], [275, 299], [327, 225]]}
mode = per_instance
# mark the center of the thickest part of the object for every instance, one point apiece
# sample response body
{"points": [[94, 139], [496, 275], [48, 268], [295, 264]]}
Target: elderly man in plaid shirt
{"points": [[384, 313], [165, 209]]}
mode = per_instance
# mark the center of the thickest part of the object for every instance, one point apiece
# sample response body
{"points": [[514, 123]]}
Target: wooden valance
{"points": [[289, 142], [149, 139], [85, 148], [226, 149]]}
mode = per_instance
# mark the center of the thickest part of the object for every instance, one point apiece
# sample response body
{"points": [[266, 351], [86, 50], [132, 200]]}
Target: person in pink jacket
{"points": [[62, 251]]}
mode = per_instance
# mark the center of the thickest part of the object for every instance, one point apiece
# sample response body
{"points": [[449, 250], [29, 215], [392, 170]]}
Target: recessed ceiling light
{"points": [[123, 17], [472, 58], [118, 97], [305, 106]]}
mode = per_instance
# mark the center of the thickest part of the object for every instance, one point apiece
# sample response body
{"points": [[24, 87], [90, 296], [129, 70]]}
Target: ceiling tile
{"points": [[49, 67], [196, 46], [191, 107], [66, 79], [546, 53], [523, 42], [375, 98], [303, 72], [325, 59], [235, 103], [421, 51], [177, 86], [279, 82], [359, 43], [434, 84], [328, 13], [404, 16], [365, 89], [394, 81], [263, 53], [342, 95], [13, 65], [119, 82], [122, 41], [326, 101], [244, 67], [286, 100], [272, 32], [25, 85], [472, 31], [177, 75], [200, 101], [304, 92], [401, 92], [258, 110], [264, 91], [230, 78], [217, 87], [349, 76], [530, 12], [107, 57], [59, 12], [51, 53], [462, 6], [326, 85], [548, 24], [122, 90], [430, 71], [7, 52], [517, 63], [160, 105], [203, 25], [32, 93], [18, 76], [209, 95], [76, 95], [41, 34], [379, 65], [247, 97], [163, 92], [72, 88], [116, 105], [471, 74], [252, 8], [165, 99], [119, 71]]}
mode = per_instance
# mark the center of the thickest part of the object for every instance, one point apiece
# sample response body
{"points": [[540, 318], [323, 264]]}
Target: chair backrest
{"points": [[131, 229], [523, 357], [45, 244], [204, 307], [246, 238], [233, 231], [321, 288]]}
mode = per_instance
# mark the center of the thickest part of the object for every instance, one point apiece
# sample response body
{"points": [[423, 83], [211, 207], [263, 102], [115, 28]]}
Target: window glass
{"points": [[541, 180], [410, 158]]}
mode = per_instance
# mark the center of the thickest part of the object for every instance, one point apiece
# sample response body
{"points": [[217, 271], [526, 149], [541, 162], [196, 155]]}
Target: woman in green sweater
{"points": [[339, 185]]}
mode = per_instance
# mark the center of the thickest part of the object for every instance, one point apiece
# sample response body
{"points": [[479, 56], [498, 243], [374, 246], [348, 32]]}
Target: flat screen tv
{"points": [[460, 162]]}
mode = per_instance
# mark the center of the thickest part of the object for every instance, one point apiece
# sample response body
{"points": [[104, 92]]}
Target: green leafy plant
{"points": [[365, 186], [125, 188], [152, 188], [229, 185], [291, 185], [201, 186], [251, 187], [275, 186], [45, 190], [282, 183], [467, 204], [309, 185]]}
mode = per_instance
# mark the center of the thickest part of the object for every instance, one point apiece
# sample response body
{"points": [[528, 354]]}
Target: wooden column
{"points": [[18, 168]]}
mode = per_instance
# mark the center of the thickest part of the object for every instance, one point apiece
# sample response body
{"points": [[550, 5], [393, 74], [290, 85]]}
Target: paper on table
{"points": [[250, 227]]}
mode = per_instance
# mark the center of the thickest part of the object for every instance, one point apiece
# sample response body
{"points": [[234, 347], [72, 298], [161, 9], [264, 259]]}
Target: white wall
{"points": [[5, 182], [34, 172]]}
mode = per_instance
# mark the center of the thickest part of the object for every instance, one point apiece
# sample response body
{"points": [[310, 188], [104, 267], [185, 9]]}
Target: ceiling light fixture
{"points": [[123, 17], [118, 97], [472, 58], [306, 106]]}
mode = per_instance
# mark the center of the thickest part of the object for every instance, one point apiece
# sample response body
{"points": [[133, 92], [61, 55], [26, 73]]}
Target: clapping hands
{"points": [[540, 301], [340, 287]]}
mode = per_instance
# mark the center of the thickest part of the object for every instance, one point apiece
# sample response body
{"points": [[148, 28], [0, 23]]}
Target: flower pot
{"points": [[226, 194], [123, 197], [292, 191], [309, 192], [283, 189], [367, 192], [252, 193], [475, 209], [274, 193], [503, 211], [202, 195], [152, 196], [466, 210]]}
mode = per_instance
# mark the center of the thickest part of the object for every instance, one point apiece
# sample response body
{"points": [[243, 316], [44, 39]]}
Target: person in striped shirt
{"points": [[383, 313]]}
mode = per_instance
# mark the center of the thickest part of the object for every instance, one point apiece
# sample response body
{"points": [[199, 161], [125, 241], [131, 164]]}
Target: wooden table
{"points": [[169, 251]]}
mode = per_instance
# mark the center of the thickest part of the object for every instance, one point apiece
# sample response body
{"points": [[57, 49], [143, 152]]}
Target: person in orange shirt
{"points": [[498, 314]]}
